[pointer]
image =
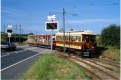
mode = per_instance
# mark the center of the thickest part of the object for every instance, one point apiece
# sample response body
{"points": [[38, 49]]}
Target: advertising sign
{"points": [[51, 26]]}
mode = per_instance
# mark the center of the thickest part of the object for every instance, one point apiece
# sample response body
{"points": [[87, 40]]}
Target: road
{"points": [[15, 63]]}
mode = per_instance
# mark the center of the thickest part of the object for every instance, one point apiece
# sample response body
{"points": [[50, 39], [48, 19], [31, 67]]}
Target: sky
{"points": [[92, 15]]}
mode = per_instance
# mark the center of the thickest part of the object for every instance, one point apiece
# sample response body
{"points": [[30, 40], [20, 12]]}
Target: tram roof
{"points": [[77, 32]]}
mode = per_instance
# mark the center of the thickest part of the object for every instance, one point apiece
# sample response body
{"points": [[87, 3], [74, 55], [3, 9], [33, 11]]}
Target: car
{"points": [[8, 46]]}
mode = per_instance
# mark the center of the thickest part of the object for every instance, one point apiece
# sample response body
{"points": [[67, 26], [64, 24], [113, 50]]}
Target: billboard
{"points": [[9, 30], [51, 26]]}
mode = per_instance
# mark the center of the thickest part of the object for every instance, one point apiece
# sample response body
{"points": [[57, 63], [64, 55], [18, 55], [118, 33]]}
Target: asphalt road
{"points": [[15, 63]]}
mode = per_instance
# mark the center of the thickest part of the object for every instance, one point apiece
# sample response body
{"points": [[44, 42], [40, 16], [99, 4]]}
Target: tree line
{"points": [[110, 36]]}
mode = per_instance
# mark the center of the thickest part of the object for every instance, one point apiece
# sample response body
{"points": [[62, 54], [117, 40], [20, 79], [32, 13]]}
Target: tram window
{"points": [[78, 38], [87, 38], [61, 37], [71, 38], [92, 39], [74, 38], [58, 37], [66, 37], [53, 39]]}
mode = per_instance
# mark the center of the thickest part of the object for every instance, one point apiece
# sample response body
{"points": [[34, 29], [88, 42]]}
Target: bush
{"points": [[111, 36]]}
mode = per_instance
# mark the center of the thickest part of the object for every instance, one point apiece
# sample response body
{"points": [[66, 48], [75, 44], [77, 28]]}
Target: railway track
{"points": [[108, 62], [109, 59], [96, 69]]}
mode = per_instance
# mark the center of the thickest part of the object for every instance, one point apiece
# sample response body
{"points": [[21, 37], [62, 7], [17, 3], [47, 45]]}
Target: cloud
{"points": [[13, 12], [92, 20], [10, 11]]}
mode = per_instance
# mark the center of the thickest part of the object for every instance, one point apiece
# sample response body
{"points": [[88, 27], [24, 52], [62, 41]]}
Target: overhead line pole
{"points": [[4, 29], [20, 34], [15, 32], [63, 30]]}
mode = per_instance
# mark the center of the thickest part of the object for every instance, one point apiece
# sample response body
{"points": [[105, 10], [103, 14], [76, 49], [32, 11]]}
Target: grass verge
{"points": [[112, 52], [51, 67]]}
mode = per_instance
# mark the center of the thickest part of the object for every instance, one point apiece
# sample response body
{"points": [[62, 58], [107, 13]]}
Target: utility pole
{"points": [[15, 31], [63, 30], [20, 35], [22, 31], [4, 28]]}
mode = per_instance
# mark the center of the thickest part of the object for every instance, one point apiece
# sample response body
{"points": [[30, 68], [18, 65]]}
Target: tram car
{"points": [[32, 40], [41, 40], [81, 42]]}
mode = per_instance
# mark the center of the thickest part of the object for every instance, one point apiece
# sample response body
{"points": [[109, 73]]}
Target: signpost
{"points": [[51, 25], [9, 31]]}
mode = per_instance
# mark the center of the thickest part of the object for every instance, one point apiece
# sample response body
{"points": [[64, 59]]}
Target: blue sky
{"points": [[32, 14]]}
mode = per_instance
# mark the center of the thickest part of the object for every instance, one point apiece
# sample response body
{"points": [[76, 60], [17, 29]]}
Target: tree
{"points": [[30, 33], [111, 36]]}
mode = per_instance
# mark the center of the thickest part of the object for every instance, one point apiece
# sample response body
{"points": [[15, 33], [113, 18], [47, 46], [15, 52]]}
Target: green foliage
{"points": [[14, 38], [111, 36], [112, 52], [3, 37], [98, 40]]}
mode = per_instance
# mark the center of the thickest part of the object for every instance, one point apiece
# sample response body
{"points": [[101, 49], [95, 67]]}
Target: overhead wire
{"points": [[92, 4]]}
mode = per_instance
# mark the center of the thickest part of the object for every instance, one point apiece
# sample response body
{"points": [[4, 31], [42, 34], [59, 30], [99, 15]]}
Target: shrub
{"points": [[111, 36]]}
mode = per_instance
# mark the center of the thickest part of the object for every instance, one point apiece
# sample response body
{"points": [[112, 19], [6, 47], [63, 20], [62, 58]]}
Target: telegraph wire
{"points": [[92, 4]]}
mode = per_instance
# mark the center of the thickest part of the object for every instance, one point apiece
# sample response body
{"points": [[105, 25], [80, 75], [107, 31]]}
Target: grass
{"points": [[108, 51], [51, 67], [112, 52]]}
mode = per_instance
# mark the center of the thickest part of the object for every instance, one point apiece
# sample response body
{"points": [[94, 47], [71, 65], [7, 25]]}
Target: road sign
{"points": [[10, 26], [51, 18], [9, 29], [51, 25], [9, 34]]}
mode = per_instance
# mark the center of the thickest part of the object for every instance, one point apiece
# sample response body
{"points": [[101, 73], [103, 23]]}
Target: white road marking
{"points": [[22, 60], [18, 51]]}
